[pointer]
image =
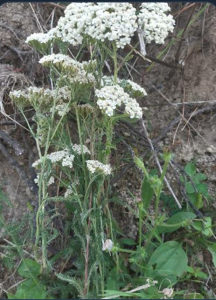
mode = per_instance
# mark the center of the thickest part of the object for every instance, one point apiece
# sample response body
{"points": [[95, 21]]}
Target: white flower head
{"points": [[168, 292], [79, 149], [154, 21], [107, 245], [114, 22], [63, 156], [68, 161], [95, 165], [77, 72], [41, 37], [68, 192], [111, 97]]}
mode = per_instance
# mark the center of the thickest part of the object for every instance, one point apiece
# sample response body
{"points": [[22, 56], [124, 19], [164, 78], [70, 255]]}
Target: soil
{"points": [[184, 87]]}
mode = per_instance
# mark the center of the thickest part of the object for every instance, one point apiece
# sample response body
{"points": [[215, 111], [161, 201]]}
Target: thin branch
{"points": [[158, 164]]}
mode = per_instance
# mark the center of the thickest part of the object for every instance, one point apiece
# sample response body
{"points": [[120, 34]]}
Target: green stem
{"points": [[140, 207]]}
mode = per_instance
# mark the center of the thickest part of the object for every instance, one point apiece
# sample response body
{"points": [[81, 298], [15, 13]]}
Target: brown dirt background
{"points": [[195, 139]]}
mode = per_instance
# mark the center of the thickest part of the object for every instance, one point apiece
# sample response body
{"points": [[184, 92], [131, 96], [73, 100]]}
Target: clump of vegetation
{"points": [[74, 168]]}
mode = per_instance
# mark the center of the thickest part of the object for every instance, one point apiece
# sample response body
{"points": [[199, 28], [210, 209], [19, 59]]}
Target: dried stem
{"points": [[158, 164]]}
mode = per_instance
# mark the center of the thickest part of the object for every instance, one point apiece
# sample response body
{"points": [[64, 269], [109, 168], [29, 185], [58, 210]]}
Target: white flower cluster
{"points": [[42, 38], [59, 94], [101, 21], [70, 28], [68, 192], [127, 85], [67, 161], [61, 60], [80, 148], [113, 22], [62, 156], [107, 245], [109, 22], [95, 165], [155, 22], [109, 97], [78, 71], [136, 87], [61, 109]]}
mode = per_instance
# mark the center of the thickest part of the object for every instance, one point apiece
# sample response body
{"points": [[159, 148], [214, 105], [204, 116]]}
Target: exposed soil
{"points": [[170, 90]]}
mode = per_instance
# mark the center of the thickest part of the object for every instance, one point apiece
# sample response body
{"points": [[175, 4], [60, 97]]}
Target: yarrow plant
{"points": [[73, 129]]}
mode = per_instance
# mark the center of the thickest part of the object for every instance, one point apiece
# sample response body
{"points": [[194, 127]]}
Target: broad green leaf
{"points": [[29, 289], [29, 268], [212, 250], [189, 188], [190, 169], [199, 177], [202, 188], [146, 193], [169, 259], [196, 199], [177, 220]]}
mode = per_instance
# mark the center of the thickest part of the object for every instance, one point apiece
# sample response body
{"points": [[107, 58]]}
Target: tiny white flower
{"points": [[51, 180], [168, 292], [107, 245]]}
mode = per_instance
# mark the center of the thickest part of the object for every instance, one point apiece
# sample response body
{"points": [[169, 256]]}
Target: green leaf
{"points": [[199, 177], [177, 220], [189, 188], [204, 226], [29, 289], [128, 242], [212, 250], [29, 268], [146, 193], [202, 188], [190, 169], [169, 259], [196, 199]]}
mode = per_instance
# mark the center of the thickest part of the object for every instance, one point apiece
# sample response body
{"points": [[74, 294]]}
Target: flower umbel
{"points": [[95, 165]]}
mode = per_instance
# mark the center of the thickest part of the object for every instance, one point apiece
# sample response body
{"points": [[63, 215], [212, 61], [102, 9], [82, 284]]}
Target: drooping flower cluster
{"points": [[110, 97], [100, 21], [43, 97], [61, 109], [95, 165], [76, 72], [155, 22]]}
